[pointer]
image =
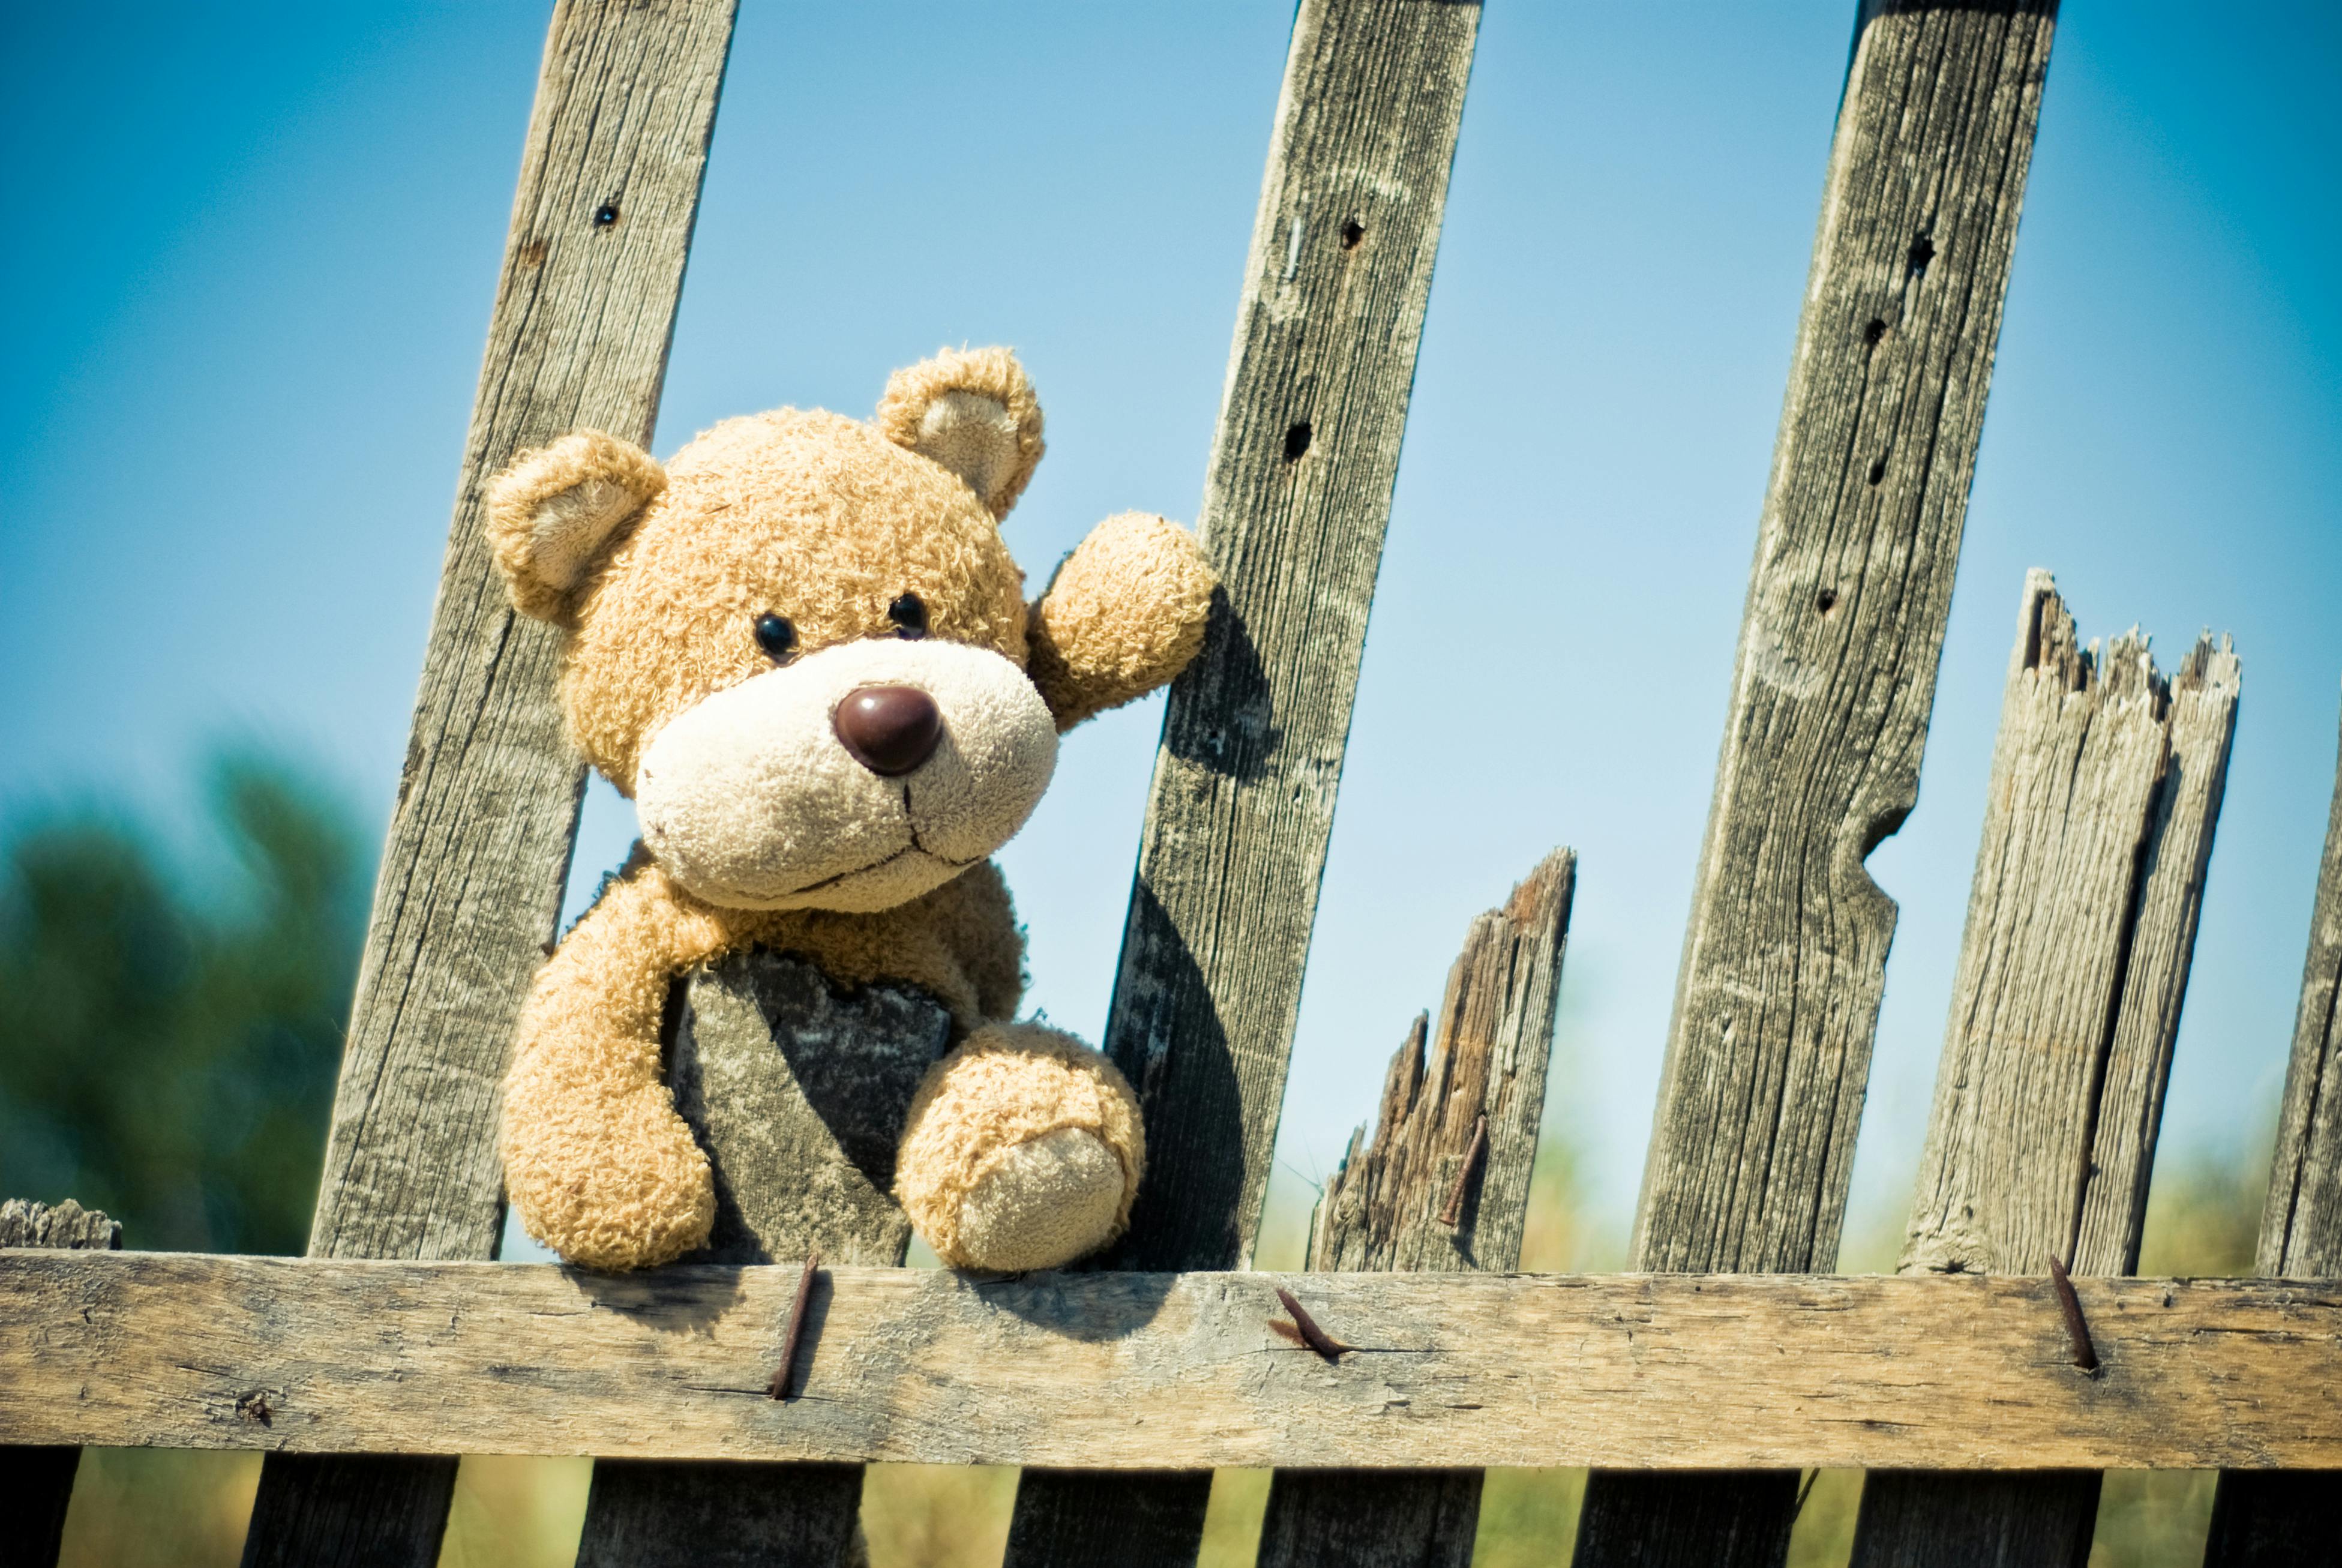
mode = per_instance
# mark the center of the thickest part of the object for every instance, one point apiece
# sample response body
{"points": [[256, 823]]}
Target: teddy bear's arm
{"points": [[1124, 615], [601, 1168]]}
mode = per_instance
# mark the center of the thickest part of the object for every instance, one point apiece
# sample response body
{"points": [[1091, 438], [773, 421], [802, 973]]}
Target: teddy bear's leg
{"points": [[1023, 1150]]}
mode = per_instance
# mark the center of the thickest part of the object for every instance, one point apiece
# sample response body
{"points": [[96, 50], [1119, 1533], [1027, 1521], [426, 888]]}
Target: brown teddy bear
{"points": [[802, 648]]}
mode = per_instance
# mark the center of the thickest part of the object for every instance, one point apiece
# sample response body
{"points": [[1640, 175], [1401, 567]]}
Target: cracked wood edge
{"points": [[42, 1476], [2106, 787], [2287, 1520], [1296, 499], [1776, 1003], [923, 1365], [1457, 1121], [471, 878]]}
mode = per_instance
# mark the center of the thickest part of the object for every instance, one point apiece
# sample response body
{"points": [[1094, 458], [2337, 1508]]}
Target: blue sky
{"points": [[253, 252]]}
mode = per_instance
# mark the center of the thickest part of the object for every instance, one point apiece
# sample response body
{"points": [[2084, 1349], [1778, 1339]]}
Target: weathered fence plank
{"points": [[927, 1366], [798, 1093], [41, 1477], [1296, 500], [2106, 786], [1768, 1052], [1444, 1188], [472, 874], [2292, 1521]]}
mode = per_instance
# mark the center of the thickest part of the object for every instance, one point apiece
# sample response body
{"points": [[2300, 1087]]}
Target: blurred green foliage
{"points": [[170, 1024]]}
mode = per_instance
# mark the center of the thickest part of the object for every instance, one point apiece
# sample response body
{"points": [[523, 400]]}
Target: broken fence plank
{"points": [[1785, 954], [2106, 786], [2291, 1521], [927, 1366], [471, 873], [797, 1091], [1296, 499], [1444, 1188], [41, 1477]]}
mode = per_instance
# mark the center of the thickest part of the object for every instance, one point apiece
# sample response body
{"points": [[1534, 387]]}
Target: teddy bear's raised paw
{"points": [[1022, 1151]]}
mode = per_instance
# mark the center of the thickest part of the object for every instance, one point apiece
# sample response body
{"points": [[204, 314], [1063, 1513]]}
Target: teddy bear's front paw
{"points": [[1023, 1151], [627, 1189], [1043, 1202]]}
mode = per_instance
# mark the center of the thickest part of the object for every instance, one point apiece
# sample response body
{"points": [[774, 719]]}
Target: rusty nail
{"points": [[2086, 1354], [1306, 1328], [779, 1387], [1451, 1212]]}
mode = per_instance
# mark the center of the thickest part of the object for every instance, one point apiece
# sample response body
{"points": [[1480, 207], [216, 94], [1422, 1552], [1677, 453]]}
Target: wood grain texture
{"points": [[2301, 1224], [478, 848], [1296, 499], [1296, 503], [798, 1093], [2294, 1521], [39, 1478], [2073, 965], [2106, 786], [1768, 1052], [1459, 1126], [1152, 1370]]}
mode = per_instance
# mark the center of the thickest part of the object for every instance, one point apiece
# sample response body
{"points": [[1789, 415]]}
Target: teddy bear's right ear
{"points": [[552, 510], [970, 411]]}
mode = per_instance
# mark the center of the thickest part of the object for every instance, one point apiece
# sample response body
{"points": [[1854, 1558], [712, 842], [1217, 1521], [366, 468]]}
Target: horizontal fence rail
{"points": [[1144, 1371]]}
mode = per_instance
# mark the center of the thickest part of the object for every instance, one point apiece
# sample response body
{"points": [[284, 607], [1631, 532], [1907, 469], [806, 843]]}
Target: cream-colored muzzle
{"points": [[749, 799]]}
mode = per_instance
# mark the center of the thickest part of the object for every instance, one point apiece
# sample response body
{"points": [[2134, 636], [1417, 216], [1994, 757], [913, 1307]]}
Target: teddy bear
{"points": [[802, 648]]}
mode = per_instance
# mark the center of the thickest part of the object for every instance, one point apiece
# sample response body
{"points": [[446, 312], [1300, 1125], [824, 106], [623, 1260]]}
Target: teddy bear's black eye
{"points": [[776, 636], [909, 616]]}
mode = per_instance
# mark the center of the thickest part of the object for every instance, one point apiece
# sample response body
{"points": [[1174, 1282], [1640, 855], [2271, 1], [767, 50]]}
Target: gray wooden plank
{"points": [[39, 1478], [2107, 782], [2293, 1520], [1124, 1371], [797, 1091], [478, 848], [1296, 503], [1768, 1052], [1456, 1136]]}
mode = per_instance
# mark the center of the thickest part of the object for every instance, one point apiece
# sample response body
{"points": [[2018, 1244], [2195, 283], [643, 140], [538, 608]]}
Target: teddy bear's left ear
{"points": [[553, 509], [973, 412]]}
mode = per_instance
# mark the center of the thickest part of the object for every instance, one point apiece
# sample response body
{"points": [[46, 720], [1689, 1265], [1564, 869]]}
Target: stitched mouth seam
{"points": [[914, 847]]}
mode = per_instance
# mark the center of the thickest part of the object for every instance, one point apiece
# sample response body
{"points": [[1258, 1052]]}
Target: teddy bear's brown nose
{"points": [[890, 730]]}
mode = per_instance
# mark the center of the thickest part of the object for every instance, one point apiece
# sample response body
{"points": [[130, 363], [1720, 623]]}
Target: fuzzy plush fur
{"points": [[1023, 1148]]}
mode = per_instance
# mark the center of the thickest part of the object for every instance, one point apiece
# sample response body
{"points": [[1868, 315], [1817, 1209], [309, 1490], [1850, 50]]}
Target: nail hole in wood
{"points": [[1923, 251], [1826, 601], [605, 215], [1296, 440], [1873, 331], [1352, 233], [1879, 471]]}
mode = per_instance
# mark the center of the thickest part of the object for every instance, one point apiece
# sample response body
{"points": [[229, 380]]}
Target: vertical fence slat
{"points": [[1296, 503], [2287, 1519], [797, 1091], [1768, 1054], [471, 878], [40, 1479], [1386, 1209], [2105, 788]]}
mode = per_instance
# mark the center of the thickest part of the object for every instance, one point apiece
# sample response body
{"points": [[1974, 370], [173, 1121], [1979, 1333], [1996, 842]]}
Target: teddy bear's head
{"points": [[801, 645]]}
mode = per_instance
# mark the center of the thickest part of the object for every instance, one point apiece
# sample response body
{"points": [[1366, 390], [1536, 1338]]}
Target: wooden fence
{"points": [[1984, 1391]]}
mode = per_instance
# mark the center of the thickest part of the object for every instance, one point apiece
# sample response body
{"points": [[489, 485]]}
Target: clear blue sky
{"points": [[249, 267]]}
